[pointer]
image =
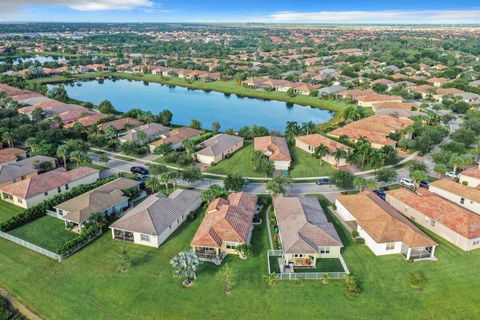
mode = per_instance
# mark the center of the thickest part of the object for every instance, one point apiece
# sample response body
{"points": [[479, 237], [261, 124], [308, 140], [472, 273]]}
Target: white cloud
{"points": [[387, 16], [80, 5]]}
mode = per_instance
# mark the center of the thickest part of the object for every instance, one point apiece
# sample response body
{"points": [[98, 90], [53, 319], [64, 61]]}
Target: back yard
{"points": [[88, 286]]}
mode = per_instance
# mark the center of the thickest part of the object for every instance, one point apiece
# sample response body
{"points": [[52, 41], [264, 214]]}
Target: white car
{"points": [[451, 174], [407, 182]]}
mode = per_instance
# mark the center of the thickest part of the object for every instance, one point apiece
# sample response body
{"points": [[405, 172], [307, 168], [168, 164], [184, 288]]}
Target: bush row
{"points": [[40, 209], [86, 235]]}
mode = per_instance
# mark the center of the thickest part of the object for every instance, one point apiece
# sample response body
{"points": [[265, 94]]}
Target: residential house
{"points": [[371, 99], [23, 169], [176, 137], [227, 224], [35, 189], [11, 155], [374, 128], [106, 200], [152, 221], [218, 147], [308, 143], [384, 229], [121, 124], [305, 233], [152, 130], [471, 177], [330, 90], [464, 196], [441, 216], [437, 82], [276, 149]]}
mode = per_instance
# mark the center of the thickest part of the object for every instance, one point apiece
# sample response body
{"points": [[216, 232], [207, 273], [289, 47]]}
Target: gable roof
{"points": [[226, 220], [275, 148], [120, 124], [303, 225], [177, 136], [218, 144], [452, 216], [381, 221], [156, 213], [316, 139], [457, 188], [32, 186], [81, 208]]}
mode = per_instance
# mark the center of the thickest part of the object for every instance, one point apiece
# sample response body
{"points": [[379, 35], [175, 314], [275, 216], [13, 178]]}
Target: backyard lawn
{"points": [[305, 165], [238, 163], [149, 291], [8, 210], [46, 232]]}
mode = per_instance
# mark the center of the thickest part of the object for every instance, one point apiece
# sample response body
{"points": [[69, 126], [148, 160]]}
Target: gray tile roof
{"points": [[218, 144], [156, 213], [12, 171]]}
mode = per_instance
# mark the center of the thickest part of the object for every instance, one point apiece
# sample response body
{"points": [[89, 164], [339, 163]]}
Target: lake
{"points": [[41, 59], [187, 104]]}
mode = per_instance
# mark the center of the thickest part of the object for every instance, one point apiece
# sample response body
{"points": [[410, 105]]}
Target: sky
{"points": [[261, 11]]}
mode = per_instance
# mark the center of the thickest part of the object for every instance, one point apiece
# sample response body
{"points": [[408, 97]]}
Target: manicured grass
{"points": [[8, 210], [46, 232], [238, 163], [305, 165], [324, 265], [148, 290]]}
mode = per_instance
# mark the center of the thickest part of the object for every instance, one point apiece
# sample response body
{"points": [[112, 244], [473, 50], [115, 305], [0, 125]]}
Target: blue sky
{"points": [[279, 11]]}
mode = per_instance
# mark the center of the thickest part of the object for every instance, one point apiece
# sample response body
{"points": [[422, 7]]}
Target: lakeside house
{"points": [[156, 218], [152, 130], [305, 233], [23, 169], [35, 189], [11, 155], [450, 221], [176, 137], [121, 124], [309, 142], [375, 129], [384, 229], [218, 147], [106, 200], [227, 224], [276, 149]]}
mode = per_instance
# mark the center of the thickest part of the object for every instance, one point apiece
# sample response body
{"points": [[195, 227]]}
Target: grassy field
{"points": [[305, 165], [46, 232], [148, 290], [230, 87], [238, 163], [8, 210]]}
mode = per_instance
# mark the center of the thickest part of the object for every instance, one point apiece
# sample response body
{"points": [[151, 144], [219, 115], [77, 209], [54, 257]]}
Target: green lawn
{"points": [[238, 163], [46, 232], [8, 210], [305, 165], [148, 290]]}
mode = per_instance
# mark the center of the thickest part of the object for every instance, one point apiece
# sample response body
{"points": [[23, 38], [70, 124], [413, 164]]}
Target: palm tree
{"points": [[62, 152], [165, 179], [189, 146], [153, 183], [321, 151], [32, 144], [7, 137], [459, 161], [142, 137], [376, 159], [308, 127], [339, 154], [359, 183], [244, 250], [80, 157], [271, 279], [417, 176], [292, 128], [186, 266]]}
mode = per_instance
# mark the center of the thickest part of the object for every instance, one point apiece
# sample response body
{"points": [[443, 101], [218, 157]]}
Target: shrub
{"points": [[360, 240], [417, 280], [352, 289], [355, 234], [86, 235]]}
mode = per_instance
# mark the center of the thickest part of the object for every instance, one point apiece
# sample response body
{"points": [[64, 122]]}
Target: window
{"points": [[325, 250], [145, 237], [462, 200], [66, 186], [231, 245], [19, 200], [45, 193], [390, 246], [59, 189], [432, 223], [476, 243]]}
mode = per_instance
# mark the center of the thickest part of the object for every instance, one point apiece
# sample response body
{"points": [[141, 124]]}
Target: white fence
{"points": [[31, 246]]}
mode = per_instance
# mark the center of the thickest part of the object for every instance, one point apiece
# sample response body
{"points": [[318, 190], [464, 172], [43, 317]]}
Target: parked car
{"points": [[424, 184], [407, 182], [451, 174], [381, 193], [139, 170], [323, 181]]}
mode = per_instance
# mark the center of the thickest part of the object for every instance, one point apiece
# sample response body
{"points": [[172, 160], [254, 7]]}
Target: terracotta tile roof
{"points": [[424, 88], [381, 221], [437, 80], [120, 124], [316, 139], [177, 136], [275, 148], [32, 186], [88, 120], [226, 220], [452, 216], [303, 225], [445, 91], [393, 105], [12, 91], [356, 93], [473, 172], [11, 154], [458, 189], [378, 97]]}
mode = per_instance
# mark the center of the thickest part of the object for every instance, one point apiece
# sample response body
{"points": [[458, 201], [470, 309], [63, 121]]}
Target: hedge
{"points": [[40, 209], [202, 137], [86, 235]]}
